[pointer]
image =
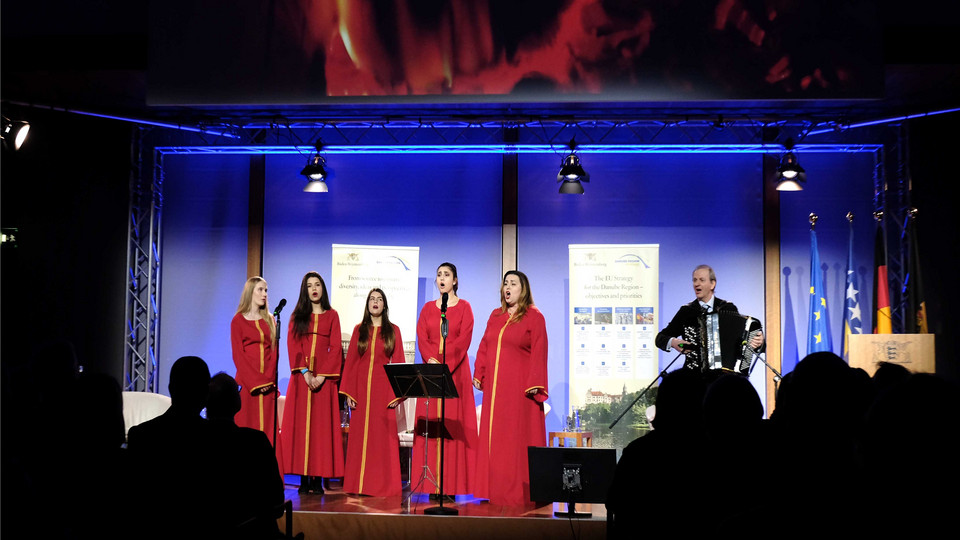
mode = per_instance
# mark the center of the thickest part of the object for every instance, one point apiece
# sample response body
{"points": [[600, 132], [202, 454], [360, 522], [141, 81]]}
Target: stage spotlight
{"points": [[316, 186], [315, 172], [314, 169], [792, 175], [14, 133], [572, 173]]}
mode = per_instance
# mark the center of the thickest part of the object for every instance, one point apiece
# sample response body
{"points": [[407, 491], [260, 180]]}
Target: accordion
{"points": [[722, 342]]}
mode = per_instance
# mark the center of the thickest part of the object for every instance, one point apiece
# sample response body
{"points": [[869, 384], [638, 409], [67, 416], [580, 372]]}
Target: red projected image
{"points": [[628, 50]]}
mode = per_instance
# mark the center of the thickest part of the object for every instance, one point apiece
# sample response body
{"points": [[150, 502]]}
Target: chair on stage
{"points": [[138, 407], [406, 417]]}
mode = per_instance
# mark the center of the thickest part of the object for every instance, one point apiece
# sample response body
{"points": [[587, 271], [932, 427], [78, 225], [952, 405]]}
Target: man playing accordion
{"points": [[711, 332]]}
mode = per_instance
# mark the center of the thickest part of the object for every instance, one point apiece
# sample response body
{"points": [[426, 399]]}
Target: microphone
{"points": [[443, 319], [283, 302]]}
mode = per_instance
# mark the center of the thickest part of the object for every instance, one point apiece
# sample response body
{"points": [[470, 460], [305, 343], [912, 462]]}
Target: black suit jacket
{"points": [[686, 317], [177, 444]]}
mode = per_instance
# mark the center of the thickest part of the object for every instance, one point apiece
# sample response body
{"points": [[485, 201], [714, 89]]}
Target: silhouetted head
{"points": [[679, 401], [889, 375], [189, 383], [731, 405], [223, 403], [823, 387]]}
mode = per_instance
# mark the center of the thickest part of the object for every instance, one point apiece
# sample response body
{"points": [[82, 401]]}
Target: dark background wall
{"points": [[66, 193]]}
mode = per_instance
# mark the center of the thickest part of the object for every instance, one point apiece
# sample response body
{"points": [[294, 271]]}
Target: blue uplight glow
{"points": [[522, 149], [844, 127]]}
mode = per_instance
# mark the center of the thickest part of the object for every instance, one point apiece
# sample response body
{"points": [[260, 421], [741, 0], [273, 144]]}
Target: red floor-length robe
{"points": [[461, 413], [373, 446], [511, 361], [255, 356], [310, 432]]}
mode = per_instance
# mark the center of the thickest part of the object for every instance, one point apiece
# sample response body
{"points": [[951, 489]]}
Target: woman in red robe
{"points": [[511, 371], [312, 445], [461, 413], [373, 446], [252, 337]]}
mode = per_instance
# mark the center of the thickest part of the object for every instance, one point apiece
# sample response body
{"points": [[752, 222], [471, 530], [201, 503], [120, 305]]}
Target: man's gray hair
{"points": [[713, 276]]}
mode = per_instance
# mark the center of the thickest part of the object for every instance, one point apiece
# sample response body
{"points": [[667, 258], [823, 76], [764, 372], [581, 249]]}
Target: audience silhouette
{"points": [[250, 491], [659, 477], [841, 454], [177, 446]]}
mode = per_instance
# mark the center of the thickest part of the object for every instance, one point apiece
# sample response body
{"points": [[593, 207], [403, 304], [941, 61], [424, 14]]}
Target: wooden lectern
{"points": [[912, 351]]}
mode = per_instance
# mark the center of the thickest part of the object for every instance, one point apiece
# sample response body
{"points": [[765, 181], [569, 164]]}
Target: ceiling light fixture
{"points": [[792, 176], [14, 133], [315, 172], [571, 172]]}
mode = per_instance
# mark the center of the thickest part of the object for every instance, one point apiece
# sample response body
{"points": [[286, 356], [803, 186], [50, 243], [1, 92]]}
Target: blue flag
{"points": [[818, 331], [852, 323], [791, 347]]}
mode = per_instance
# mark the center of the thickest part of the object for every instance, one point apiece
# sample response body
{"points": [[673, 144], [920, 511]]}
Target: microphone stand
{"points": [[777, 377], [662, 372], [440, 510], [276, 378]]}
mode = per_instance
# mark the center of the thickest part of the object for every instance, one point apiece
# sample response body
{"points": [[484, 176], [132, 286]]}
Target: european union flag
{"points": [[818, 331], [852, 323]]}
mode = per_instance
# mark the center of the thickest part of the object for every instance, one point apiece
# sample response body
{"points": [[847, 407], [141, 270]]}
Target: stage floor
{"points": [[352, 516]]}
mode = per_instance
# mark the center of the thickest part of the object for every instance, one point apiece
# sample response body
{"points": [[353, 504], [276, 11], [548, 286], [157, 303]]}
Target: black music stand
{"points": [[426, 381]]}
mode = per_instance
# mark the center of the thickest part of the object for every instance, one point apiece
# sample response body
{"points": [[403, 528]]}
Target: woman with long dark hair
{"points": [[253, 341], [460, 414], [312, 445], [373, 447], [511, 371]]}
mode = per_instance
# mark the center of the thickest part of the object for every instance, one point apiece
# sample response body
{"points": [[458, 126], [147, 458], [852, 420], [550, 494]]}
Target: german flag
{"points": [[917, 317], [882, 323]]}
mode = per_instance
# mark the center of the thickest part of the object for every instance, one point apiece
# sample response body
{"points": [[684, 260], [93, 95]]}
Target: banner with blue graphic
{"points": [[614, 292]]}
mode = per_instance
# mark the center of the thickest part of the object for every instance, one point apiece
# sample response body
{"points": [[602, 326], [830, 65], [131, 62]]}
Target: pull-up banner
{"points": [[613, 320], [394, 269]]}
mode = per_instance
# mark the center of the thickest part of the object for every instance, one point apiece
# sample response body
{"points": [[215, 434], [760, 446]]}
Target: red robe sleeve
{"points": [[348, 382], [428, 349], [236, 340], [537, 376], [458, 341], [330, 357], [396, 358], [295, 350], [483, 353], [253, 373]]}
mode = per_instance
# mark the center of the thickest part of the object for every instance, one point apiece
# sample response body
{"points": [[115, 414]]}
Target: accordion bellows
{"points": [[722, 342]]}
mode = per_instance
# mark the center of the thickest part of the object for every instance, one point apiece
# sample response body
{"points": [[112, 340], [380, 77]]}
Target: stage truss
{"points": [[143, 269], [886, 139]]}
